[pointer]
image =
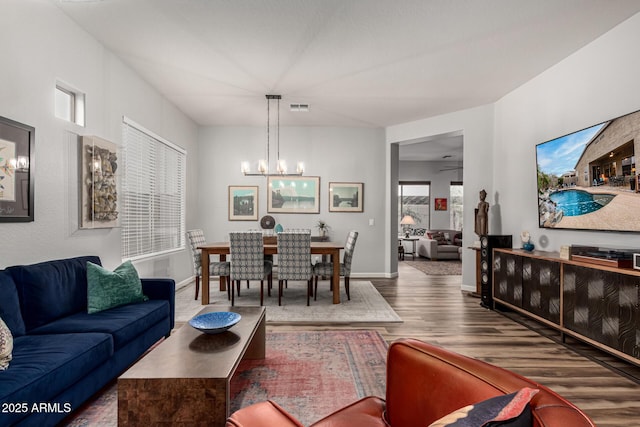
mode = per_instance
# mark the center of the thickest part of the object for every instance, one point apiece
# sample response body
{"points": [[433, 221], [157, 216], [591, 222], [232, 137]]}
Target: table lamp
{"points": [[407, 221]]}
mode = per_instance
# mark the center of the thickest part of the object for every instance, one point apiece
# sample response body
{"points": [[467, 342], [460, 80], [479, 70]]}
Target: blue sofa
{"points": [[62, 355]]}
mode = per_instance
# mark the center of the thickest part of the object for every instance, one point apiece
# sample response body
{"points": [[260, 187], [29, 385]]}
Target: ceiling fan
{"points": [[451, 168]]}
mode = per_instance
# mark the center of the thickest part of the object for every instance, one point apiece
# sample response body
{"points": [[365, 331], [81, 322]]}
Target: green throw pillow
{"points": [[108, 289], [6, 345]]}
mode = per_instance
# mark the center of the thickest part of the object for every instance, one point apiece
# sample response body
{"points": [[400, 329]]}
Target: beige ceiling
{"points": [[370, 63]]}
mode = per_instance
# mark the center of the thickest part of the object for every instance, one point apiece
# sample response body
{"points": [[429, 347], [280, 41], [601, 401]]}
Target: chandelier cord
{"points": [[268, 123], [278, 136]]}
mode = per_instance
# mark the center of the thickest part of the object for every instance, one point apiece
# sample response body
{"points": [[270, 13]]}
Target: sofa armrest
{"points": [[263, 414], [162, 289], [428, 248]]}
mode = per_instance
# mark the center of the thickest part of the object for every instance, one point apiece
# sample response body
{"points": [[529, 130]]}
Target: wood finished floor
{"points": [[435, 310]]}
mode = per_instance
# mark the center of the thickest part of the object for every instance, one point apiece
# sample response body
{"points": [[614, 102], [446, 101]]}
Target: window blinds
{"points": [[153, 193]]}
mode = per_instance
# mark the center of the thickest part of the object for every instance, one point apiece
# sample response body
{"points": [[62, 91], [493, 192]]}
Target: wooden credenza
{"points": [[596, 304]]}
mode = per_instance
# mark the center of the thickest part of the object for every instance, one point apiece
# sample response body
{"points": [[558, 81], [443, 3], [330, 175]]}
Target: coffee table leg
{"points": [[257, 346]]}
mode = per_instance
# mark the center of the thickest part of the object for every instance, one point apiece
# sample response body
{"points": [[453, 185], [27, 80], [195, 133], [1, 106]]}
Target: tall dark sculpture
{"points": [[482, 215]]}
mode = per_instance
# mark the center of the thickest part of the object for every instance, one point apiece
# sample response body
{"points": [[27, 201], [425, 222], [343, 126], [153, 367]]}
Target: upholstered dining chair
{"points": [[294, 259], [247, 261], [326, 268], [196, 238]]}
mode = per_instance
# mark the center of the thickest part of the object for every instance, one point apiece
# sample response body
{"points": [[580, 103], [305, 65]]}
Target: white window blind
{"points": [[153, 193]]}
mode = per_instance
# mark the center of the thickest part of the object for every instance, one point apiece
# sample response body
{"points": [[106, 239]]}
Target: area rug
{"points": [[366, 304], [437, 268], [310, 374]]}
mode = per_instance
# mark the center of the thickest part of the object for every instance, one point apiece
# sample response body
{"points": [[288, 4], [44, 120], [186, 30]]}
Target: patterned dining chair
{"points": [[196, 238], [326, 268], [294, 259], [247, 261]]}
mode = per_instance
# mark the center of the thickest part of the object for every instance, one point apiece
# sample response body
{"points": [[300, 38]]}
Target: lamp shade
{"points": [[407, 220]]}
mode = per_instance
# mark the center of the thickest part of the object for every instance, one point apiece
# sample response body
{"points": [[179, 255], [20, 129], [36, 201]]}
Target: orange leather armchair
{"points": [[425, 383]]}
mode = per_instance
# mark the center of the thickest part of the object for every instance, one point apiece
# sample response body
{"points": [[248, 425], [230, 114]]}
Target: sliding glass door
{"points": [[455, 216]]}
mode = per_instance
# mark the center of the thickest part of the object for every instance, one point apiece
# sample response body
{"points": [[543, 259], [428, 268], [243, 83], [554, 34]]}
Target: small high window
{"points": [[69, 104]]}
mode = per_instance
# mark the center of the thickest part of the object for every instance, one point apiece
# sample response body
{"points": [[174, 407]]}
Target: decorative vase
{"points": [[528, 246]]}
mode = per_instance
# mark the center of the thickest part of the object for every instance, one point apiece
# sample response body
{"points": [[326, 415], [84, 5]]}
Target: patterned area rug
{"points": [[310, 374], [437, 268], [366, 304]]}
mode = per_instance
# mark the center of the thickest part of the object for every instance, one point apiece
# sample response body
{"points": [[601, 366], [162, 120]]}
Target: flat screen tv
{"points": [[587, 179]]}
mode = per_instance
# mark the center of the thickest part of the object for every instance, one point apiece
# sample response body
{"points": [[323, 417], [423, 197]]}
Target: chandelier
{"points": [[265, 164]]}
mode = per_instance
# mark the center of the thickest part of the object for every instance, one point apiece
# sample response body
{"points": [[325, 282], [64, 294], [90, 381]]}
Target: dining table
{"points": [[222, 249]]}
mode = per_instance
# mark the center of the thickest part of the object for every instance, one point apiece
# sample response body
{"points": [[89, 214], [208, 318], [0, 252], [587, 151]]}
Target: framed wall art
{"points": [[293, 194], [440, 204], [346, 196], [243, 203], [98, 183], [16, 171]]}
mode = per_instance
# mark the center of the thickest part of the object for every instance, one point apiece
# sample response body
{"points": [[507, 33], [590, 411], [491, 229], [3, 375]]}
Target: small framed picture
{"points": [[346, 196], [243, 203], [16, 171], [440, 204]]}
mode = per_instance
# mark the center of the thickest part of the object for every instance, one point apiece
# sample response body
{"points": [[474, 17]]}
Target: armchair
{"points": [[425, 383]]}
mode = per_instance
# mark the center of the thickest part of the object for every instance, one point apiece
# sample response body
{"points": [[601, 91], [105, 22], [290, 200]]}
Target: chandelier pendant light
{"points": [[264, 165]]}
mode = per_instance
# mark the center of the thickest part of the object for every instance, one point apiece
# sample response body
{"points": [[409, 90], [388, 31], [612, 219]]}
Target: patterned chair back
{"points": [[349, 247], [196, 238], [294, 255], [247, 255]]}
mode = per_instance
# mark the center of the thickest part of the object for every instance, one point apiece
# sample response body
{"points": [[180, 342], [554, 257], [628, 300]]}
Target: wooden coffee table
{"points": [[185, 380]]}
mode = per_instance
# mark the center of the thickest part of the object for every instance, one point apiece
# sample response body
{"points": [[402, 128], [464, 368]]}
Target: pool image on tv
{"points": [[587, 179]]}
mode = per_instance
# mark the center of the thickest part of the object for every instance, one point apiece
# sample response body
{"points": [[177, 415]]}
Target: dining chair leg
{"points": [[309, 290], [229, 287], [247, 284], [346, 287], [315, 291], [280, 292], [232, 294], [197, 287], [238, 286], [269, 283]]}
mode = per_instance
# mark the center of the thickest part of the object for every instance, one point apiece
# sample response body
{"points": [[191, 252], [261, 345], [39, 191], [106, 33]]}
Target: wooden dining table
{"points": [[222, 249]]}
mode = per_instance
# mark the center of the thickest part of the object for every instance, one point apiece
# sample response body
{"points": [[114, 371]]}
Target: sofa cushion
{"points": [[125, 323], [419, 231], [51, 290], [45, 365], [439, 237], [10, 305], [448, 248], [108, 289], [6, 346], [507, 410]]}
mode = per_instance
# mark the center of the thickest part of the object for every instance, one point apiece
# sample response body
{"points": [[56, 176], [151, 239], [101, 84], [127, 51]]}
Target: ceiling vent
{"points": [[302, 108]]}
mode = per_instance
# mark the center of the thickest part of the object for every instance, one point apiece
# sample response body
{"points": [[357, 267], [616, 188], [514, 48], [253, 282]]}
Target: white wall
{"points": [[39, 46], [476, 125], [333, 154], [597, 83], [440, 186]]}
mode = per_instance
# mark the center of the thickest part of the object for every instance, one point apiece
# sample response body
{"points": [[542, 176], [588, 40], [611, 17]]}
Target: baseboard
{"points": [[374, 275], [185, 282]]}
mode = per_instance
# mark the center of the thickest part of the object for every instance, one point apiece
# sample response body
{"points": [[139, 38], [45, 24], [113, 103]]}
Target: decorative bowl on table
{"points": [[215, 322]]}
